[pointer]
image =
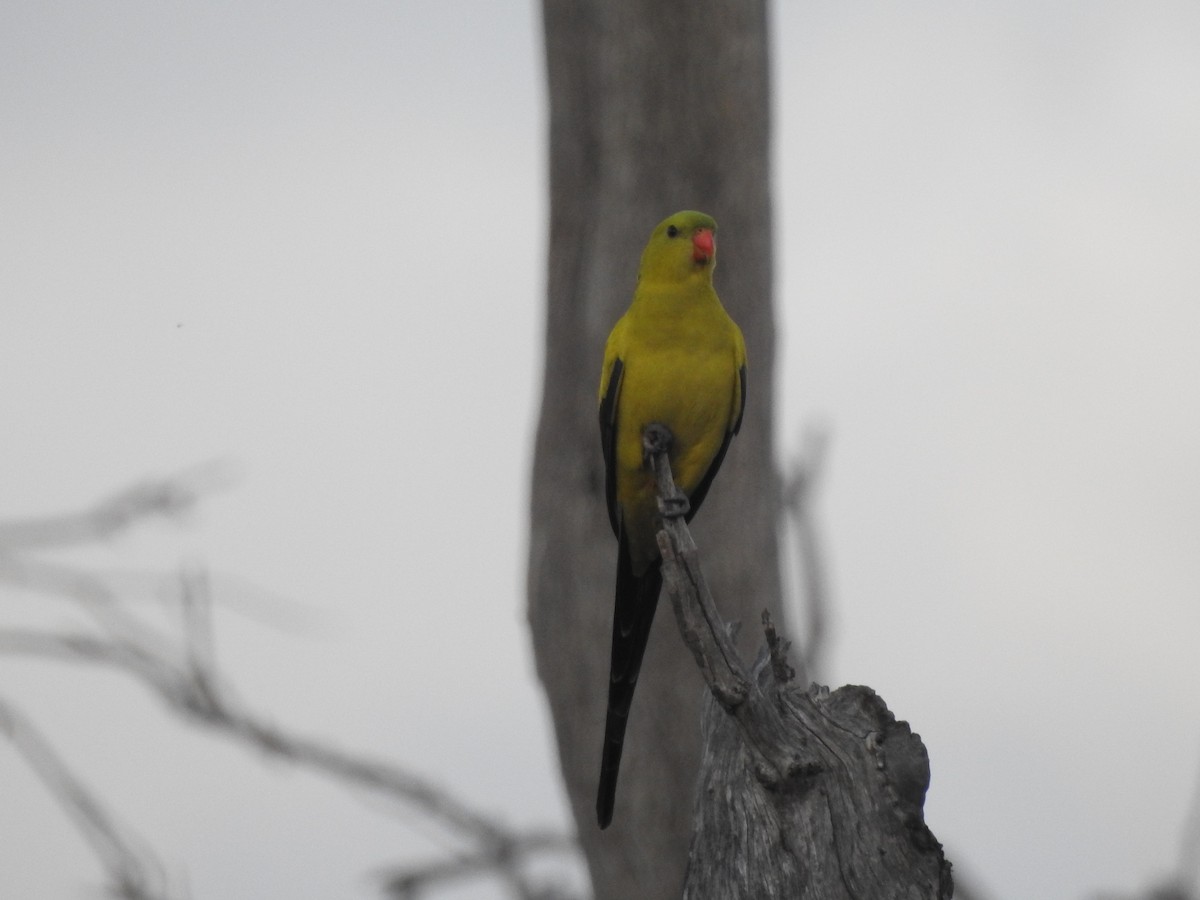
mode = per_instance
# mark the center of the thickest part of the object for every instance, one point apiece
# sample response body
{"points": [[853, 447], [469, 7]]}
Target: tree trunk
{"points": [[653, 108]]}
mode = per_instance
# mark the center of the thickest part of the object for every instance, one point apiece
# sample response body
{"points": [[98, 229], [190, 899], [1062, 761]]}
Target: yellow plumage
{"points": [[677, 359]]}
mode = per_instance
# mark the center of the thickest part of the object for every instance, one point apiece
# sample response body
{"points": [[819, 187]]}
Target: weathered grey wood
{"points": [[803, 793], [845, 822]]}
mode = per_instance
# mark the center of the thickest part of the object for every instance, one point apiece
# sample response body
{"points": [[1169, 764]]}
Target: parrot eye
{"points": [[672, 231]]}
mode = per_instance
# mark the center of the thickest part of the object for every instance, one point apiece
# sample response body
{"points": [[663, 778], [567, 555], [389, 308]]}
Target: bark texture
{"points": [[842, 820], [653, 108], [804, 795]]}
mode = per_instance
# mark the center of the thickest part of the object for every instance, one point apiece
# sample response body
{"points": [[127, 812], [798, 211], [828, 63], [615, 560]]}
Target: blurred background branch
{"points": [[169, 497], [801, 478], [181, 669], [134, 871]]}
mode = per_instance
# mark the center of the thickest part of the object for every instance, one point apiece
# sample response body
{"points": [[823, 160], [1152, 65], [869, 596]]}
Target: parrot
{"points": [[677, 359]]}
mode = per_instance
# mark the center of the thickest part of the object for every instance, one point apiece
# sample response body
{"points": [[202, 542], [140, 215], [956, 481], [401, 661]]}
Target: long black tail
{"points": [[636, 600]]}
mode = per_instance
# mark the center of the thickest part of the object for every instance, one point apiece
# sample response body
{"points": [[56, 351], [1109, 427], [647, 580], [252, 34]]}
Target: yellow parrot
{"points": [[674, 358]]}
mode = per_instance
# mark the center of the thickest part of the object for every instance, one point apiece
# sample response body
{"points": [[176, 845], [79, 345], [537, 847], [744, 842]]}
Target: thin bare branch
{"points": [[86, 648], [195, 602], [710, 642], [87, 591], [133, 871], [411, 882], [170, 497]]}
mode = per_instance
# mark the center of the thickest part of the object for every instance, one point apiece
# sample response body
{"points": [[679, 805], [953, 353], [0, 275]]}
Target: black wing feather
{"points": [[608, 440], [737, 426], [697, 496]]}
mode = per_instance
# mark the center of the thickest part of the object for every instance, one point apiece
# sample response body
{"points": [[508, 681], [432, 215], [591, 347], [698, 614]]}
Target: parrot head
{"points": [[681, 246]]}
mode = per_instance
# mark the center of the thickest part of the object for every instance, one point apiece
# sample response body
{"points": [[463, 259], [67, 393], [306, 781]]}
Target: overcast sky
{"points": [[309, 241]]}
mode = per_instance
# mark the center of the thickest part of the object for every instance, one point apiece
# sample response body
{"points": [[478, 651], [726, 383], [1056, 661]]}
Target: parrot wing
{"points": [[698, 495]]}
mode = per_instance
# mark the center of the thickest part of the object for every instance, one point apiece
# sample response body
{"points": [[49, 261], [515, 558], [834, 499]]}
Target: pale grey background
{"points": [[309, 239]]}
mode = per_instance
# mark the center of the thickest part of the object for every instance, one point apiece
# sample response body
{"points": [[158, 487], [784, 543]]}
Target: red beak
{"points": [[702, 244]]}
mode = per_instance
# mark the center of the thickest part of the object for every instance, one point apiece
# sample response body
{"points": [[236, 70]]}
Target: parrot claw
{"points": [[656, 438]]}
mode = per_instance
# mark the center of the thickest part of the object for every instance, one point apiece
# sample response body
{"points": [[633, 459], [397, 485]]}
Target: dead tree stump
{"points": [[805, 794]]}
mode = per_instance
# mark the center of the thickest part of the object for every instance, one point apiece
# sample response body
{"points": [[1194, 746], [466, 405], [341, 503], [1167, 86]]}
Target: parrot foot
{"points": [[656, 445], [656, 438]]}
